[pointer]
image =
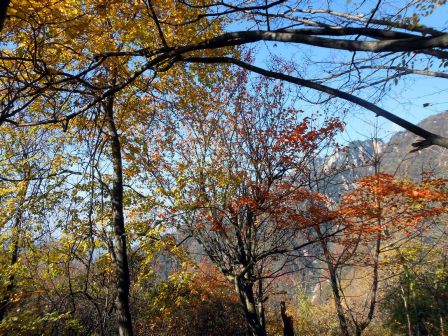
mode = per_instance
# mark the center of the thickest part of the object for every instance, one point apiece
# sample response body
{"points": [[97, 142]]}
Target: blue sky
{"points": [[405, 99]]}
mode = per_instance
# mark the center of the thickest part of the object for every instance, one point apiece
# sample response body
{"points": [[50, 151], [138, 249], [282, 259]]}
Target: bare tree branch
{"points": [[3, 9], [429, 138]]}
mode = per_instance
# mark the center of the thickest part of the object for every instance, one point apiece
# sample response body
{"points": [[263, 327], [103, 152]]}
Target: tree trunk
{"points": [[5, 300], [11, 280], [3, 10], [337, 299], [120, 249], [288, 325], [247, 298], [334, 286], [406, 309], [442, 326], [260, 305]]}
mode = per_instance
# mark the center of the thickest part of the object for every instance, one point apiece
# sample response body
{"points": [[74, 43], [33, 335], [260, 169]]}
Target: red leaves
{"points": [[303, 136], [242, 202], [217, 226], [381, 203]]}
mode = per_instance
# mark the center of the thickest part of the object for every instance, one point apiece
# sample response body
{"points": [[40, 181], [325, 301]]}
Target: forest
{"points": [[218, 167]]}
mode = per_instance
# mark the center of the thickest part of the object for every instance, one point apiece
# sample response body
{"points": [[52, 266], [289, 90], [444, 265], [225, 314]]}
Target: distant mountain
{"points": [[397, 159], [339, 172]]}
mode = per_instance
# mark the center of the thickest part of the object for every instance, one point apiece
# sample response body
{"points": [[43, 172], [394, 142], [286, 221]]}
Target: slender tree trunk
{"points": [[120, 247], [260, 305], [442, 326], [334, 286], [337, 299], [3, 9], [11, 280], [5, 300], [245, 289], [360, 327], [406, 309]]}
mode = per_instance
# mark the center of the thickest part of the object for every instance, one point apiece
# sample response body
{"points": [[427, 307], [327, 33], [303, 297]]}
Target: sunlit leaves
{"points": [[384, 204]]}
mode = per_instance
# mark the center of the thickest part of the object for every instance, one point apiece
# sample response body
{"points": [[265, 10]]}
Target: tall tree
{"points": [[60, 36], [381, 215], [240, 185]]}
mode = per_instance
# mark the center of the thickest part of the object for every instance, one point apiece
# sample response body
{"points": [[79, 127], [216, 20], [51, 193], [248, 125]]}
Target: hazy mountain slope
{"points": [[397, 158]]}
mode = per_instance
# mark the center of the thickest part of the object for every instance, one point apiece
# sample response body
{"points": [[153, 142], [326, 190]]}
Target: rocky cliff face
{"points": [[397, 159], [345, 167]]}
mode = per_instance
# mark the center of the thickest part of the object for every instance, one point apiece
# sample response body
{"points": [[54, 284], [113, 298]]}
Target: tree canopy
{"points": [[130, 128]]}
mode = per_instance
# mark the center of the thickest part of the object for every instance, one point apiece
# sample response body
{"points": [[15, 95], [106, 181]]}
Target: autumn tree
{"points": [[32, 190], [418, 298], [379, 216], [109, 65], [240, 185], [194, 298], [61, 34], [415, 298]]}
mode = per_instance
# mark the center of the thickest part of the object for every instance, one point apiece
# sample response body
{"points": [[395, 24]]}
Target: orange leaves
{"points": [[282, 207], [217, 226], [243, 201], [302, 136], [383, 204]]}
